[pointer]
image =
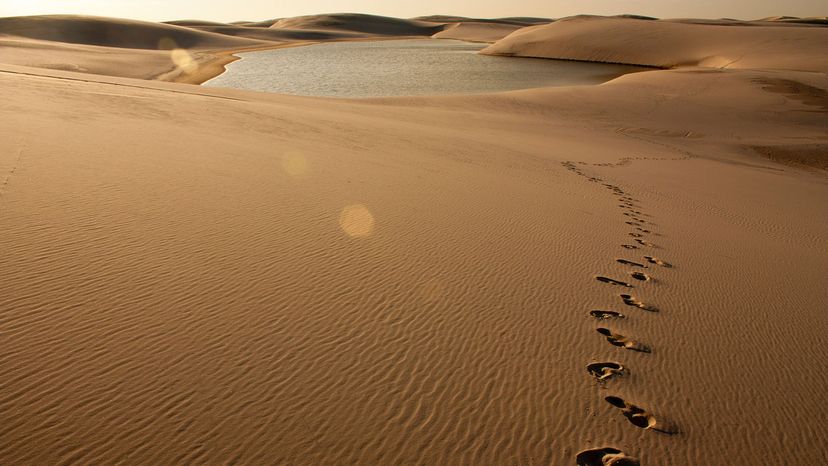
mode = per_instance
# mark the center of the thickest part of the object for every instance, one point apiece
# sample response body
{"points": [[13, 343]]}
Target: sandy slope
{"points": [[193, 275], [113, 32], [407, 281], [670, 43], [477, 32], [371, 24], [116, 47]]}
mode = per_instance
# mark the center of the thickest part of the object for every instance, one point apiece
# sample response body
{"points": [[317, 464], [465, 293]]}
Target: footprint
{"points": [[604, 315], [613, 282], [634, 264], [605, 370], [638, 416], [621, 341], [635, 224], [636, 235], [639, 220], [630, 301], [606, 456], [644, 243], [629, 246], [640, 276], [660, 262], [643, 230]]}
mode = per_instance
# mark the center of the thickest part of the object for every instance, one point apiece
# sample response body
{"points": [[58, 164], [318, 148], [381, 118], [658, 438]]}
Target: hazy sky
{"points": [[233, 10]]}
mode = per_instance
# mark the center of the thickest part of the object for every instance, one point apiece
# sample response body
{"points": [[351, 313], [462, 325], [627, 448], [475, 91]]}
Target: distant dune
{"points": [[111, 32], [517, 21], [196, 23], [477, 31], [669, 44], [369, 24], [256, 24], [279, 35]]}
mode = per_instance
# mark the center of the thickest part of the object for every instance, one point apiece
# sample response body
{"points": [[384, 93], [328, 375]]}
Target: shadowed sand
{"points": [[201, 275]]}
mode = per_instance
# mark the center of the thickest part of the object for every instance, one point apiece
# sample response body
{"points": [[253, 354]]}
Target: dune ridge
{"points": [[112, 32], [669, 44], [355, 22]]}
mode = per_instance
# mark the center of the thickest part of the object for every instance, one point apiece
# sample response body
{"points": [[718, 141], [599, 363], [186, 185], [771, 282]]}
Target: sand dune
{"points": [[337, 282], [670, 44], [477, 32], [256, 24], [515, 21], [621, 272], [281, 35], [369, 24], [197, 23], [111, 32]]}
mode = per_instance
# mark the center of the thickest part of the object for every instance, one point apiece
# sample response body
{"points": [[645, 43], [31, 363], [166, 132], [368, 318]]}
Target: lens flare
{"points": [[295, 164], [184, 61], [356, 221]]}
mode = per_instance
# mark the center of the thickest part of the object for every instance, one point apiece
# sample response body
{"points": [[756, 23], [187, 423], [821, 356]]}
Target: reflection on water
{"points": [[402, 67]]}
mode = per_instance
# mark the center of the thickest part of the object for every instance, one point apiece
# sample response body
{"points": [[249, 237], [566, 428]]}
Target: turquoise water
{"points": [[402, 67]]}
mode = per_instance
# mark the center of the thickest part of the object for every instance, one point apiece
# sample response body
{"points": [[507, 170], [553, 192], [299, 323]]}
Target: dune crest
{"points": [[668, 44], [355, 22]]}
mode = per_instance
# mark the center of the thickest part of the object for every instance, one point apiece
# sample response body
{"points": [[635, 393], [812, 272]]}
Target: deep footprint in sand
{"points": [[629, 246], [606, 456], [605, 370], [613, 282], [622, 342], [645, 243], [604, 315], [640, 276], [636, 235], [630, 263], [630, 301], [660, 262], [638, 416]]}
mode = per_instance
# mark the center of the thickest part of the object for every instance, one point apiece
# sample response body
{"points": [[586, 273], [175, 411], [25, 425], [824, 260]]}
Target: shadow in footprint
{"points": [[606, 456], [629, 246], [630, 263], [640, 276], [613, 282], [637, 416], [605, 315], [645, 243], [605, 370], [660, 262], [623, 342], [630, 301]]}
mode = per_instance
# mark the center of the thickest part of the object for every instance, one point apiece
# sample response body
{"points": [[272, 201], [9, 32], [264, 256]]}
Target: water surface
{"points": [[402, 67]]}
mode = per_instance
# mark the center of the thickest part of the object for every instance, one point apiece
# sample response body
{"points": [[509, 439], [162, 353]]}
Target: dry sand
{"points": [[194, 275], [670, 44]]}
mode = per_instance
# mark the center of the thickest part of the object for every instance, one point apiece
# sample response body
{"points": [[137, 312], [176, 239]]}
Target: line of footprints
{"points": [[640, 226]]}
